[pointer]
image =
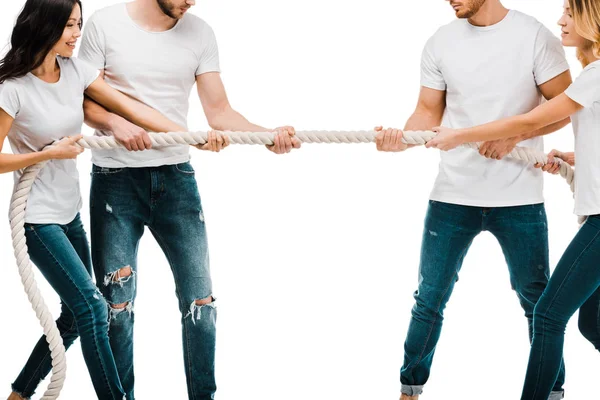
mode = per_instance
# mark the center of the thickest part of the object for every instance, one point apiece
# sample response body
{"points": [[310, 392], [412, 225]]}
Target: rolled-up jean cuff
{"points": [[557, 395], [413, 390]]}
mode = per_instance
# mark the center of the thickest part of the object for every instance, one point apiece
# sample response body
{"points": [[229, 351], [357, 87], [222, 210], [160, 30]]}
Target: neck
{"points": [[149, 16], [490, 13], [49, 67], [588, 53]]}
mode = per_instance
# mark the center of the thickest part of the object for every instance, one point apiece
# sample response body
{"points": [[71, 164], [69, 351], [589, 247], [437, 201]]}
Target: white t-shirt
{"points": [[586, 126], [490, 73], [156, 68], [43, 113]]}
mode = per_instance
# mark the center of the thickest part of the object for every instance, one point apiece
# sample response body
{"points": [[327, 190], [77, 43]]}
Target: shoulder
{"points": [[76, 64], [105, 15], [530, 24], [195, 24], [13, 85]]}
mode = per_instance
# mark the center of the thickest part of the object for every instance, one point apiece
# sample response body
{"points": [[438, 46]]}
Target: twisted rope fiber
{"points": [[19, 202]]}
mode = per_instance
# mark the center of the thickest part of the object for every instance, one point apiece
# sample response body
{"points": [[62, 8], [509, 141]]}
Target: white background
{"points": [[315, 254]]}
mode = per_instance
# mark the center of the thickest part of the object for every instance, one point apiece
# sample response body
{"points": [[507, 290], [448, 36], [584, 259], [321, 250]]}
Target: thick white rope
{"points": [[265, 138], [19, 201], [17, 223]]}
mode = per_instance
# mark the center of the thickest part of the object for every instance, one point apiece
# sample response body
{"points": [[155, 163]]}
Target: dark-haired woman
{"points": [[41, 101]]}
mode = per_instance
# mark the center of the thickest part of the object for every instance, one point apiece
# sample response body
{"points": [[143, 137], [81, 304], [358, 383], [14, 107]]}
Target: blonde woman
{"points": [[575, 283]]}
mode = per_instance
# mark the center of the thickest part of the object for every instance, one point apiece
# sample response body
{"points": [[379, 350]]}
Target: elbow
{"points": [[216, 118]]}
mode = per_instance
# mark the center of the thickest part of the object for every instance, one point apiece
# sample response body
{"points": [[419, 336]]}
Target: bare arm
{"points": [[544, 115], [550, 113], [14, 162], [428, 113], [551, 89], [222, 117], [133, 110]]}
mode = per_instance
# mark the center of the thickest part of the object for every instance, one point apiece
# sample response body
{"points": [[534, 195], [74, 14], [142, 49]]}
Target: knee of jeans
{"points": [[199, 307], [119, 277], [119, 311], [429, 303], [545, 318]]}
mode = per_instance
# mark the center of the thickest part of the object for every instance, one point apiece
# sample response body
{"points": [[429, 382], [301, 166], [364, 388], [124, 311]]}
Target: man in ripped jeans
{"points": [[153, 51]]}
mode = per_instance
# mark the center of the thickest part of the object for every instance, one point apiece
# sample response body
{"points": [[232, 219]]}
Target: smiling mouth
{"points": [[71, 44]]}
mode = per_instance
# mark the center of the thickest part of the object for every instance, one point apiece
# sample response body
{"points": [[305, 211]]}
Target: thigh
{"points": [[76, 234], [576, 277], [56, 258], [178, 225], [118, 209], [449, 231], [523, 236]]}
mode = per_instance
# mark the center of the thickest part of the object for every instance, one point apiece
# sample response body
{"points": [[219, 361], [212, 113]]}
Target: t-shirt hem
{"points": [[435, 86], [586, 212], [143, 164], [553, 73], [50, 219], [88, 84], [486, 203], [576, 98], [8, 110], [207, 70]]}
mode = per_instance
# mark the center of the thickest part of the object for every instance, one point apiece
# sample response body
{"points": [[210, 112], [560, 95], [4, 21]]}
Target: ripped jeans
{"points": [[123, 201], [62, 254]]}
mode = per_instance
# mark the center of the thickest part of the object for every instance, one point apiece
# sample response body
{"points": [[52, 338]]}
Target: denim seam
{"points": [[192, 172], [434, 321], [573, 265], [169, 259], [89, 308], [48, 353]]}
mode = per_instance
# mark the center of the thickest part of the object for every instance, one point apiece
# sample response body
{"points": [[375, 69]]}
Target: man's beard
{"points": [[166, 8]]}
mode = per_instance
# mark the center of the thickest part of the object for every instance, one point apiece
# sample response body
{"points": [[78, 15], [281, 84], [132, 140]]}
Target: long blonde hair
{"points": [[586, 14]]}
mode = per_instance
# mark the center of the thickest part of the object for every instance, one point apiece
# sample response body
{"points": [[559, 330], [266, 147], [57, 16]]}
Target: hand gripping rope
{"points": [[23, 187]]}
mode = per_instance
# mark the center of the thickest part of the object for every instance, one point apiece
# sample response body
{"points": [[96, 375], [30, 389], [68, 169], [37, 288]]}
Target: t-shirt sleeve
{"points": [[87, 73], [9, 99], [93, 49], [209, 53], [586, 88], [431, 76], [549, 57]]}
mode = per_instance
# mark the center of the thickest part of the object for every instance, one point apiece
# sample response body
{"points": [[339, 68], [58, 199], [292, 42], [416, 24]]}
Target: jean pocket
{"points": [[185, 168], [105, 171]]}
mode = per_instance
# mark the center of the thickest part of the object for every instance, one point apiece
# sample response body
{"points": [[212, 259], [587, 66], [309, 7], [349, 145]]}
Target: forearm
{"points": [[122, 106], [98, 117], [546, 130], [147, 118], [14, 162], [502, 129], [421, 121], [230, 120]]}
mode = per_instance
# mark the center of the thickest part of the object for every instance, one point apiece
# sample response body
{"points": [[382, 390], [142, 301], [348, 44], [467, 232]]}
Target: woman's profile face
{"points": [[66, 44], [569, 36]]}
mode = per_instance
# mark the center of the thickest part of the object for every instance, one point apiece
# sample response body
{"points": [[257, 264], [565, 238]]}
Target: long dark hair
{"points": [[39, 26]]}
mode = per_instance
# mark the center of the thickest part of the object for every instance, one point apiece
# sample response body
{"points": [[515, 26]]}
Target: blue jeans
{"points": [[165, 199], [62, 254], [448, 234], [575, 284]]}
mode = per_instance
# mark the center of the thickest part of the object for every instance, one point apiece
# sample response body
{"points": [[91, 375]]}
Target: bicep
{"points": [[555, 110], [556, 85], [431, 102], [6, 122], [211, 92]]}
